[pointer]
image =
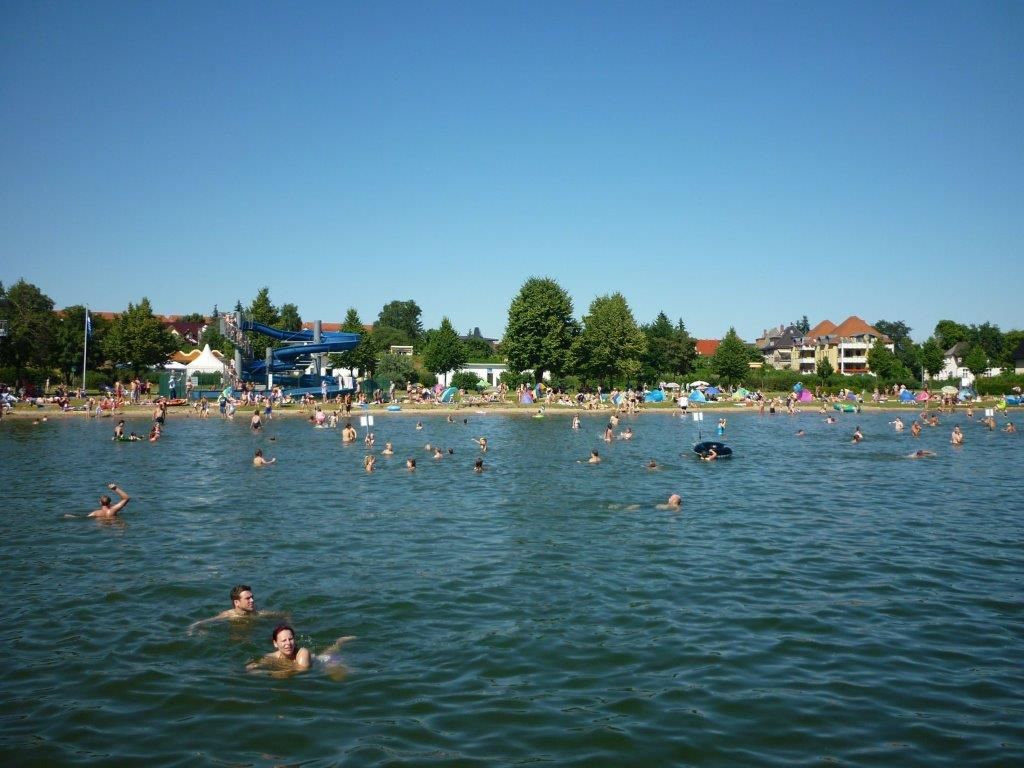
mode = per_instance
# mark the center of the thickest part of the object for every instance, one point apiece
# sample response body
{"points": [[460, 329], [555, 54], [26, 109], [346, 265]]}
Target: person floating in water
{"points": [[626, 434], [920, 454], [675, 501], [857, 435], [595, 457], [478, 465], [369, 461], [243, 606], [259, 461], [108, 510], [710, 455], [388, 450], [410, 464], [575, 421], [1009, 427], [800, 433], [482, 442]]}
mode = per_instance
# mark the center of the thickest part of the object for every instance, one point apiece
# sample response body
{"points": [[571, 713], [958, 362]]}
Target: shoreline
{"points": [[24, 411]]}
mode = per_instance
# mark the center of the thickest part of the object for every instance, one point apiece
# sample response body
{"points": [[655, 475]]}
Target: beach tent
{"points": [[527, 398], [617, 399], [447, 395], [1011, 400], [906, 396], [922, 397], [798, 386], [851, 395], [207, 362], [712, 391], [805, 396], [654, 396], [740, 393], [697, 397], [967, 394]]}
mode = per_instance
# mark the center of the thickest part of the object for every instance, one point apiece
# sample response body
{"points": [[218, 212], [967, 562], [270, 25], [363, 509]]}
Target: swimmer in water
{"points": [[675, 501], [608, 435], [108, 510], [287, 654], [256, 423], [915, 429], [652, 464], [956, 437], [438, 453], [857, 435], [419, 425], [575, 421], [920, 454], [800, 433], [482, 442], [259, 461], [1009, 427], [348, 434], [410, 464], [897, 424], [369, 461], [626, 434], [710, 455], [388, 450], [595, 458], [478, 465], [243, 606]]}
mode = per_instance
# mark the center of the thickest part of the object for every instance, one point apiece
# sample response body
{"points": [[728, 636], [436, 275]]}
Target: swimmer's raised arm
{"points": [[338, 643]]}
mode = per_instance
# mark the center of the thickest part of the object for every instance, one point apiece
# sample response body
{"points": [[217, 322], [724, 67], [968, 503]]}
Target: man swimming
{"points": [[243, 606], [107, 509], [259, 461]]}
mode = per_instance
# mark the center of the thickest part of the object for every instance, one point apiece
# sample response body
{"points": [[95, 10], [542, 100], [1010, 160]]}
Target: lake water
{"points": [[813, 602]]}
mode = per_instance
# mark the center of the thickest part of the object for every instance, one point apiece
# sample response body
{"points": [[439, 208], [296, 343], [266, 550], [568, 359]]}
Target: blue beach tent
{"points": [[906, 396], [448, 394], [697, 397], [654, 396]]}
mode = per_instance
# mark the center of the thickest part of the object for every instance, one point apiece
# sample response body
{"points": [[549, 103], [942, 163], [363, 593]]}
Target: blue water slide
{"points": [[284, 359]]}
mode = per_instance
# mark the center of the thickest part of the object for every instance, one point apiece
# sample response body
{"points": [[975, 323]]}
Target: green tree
{"points": [[976, 361], [479, 349], [289, 318], [216, 339], [137, 339], [466, 380], [882, 361], [933, 358], [384, 337], [69, 338], [670, 349], [1011, 340], [989, 338], [363, 357], [193, 317], [540, 329], [611, 347], [396, 368], [403, 315], [824, 370], [949, 333], [444, 350], [803, 324], [31, 326], [731, 361], [906, 351]]}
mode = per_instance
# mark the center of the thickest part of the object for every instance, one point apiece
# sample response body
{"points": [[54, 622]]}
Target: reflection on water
{"points": [[813, 599]]}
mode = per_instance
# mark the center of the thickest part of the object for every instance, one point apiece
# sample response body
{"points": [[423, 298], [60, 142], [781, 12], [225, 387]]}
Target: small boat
{"points": [[723, 450]]}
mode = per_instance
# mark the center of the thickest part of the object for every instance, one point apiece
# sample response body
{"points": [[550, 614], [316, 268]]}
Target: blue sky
{"points": [[733, 164]]}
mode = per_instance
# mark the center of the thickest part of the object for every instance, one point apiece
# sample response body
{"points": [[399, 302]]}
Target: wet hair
{"points": [[236, 591], [411, 463], [259, 451], [104, 500], [279, 629], [479, 463]]}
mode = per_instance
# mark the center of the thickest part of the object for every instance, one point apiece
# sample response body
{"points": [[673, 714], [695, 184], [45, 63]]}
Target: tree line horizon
{"points": [[605, 347]]}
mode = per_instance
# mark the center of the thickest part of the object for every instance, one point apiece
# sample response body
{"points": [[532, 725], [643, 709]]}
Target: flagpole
{"points": [[85, 348]]}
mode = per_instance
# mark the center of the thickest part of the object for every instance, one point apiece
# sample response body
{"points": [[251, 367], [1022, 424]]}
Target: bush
{"points": [[998, 385], [427, 379], [465, 380]]}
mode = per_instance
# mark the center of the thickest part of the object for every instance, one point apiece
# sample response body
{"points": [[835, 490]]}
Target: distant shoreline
{"points": [[24, 411]]}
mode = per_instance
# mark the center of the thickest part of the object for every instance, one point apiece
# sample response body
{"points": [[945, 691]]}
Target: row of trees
{"points": [[605, 346]]}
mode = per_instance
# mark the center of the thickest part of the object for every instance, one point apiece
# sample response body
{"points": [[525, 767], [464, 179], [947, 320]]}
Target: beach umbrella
{"points": [[948, 390], [698, 383], [672, 385]]}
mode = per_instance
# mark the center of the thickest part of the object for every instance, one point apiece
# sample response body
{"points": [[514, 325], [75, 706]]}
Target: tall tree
{"points": [[804, 325], [731, 361], [363, 357], [976, 361], [1011, 340], [403, 315], [396, 368], [384, 337], [611, 347], [444, 350], [30, 326], [949, 333], [824, 370], [989, 338], [137, 339], [540, 328], [289, 318], [69, 340], [670, 349], [933, 358], [881, 361]]}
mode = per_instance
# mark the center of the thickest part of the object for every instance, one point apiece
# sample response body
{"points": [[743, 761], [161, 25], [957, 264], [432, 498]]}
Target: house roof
{"points": [[854, 326], [959, 349], [824, 328], [707, 347], [788, 339]]}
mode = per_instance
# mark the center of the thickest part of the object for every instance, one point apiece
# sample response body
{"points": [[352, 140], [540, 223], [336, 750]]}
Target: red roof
{"points": [[824, 328], [707, 347], [854, 326]]}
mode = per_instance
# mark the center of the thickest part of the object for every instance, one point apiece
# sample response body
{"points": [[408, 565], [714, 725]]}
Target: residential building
{"points": [[844, 346]]}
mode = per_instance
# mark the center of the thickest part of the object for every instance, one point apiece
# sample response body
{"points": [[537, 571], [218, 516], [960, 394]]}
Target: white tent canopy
{"points": [[207, 362]]}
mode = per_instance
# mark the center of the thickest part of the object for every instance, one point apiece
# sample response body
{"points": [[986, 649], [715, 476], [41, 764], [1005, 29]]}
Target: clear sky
{"points": [[733, 164]]}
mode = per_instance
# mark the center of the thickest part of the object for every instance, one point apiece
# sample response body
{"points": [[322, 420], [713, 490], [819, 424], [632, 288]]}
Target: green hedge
{"points": [[998, 385]]}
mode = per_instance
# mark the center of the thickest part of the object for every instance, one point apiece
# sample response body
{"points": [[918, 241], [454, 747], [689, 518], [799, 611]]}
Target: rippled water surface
{"points": [[815, 601]]}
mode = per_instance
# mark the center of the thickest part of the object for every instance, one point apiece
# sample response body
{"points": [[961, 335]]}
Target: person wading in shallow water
{"points": [[106, 508]]}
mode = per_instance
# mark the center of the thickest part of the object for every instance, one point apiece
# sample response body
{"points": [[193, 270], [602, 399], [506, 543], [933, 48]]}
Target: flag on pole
{"points": [[88, 323]]}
